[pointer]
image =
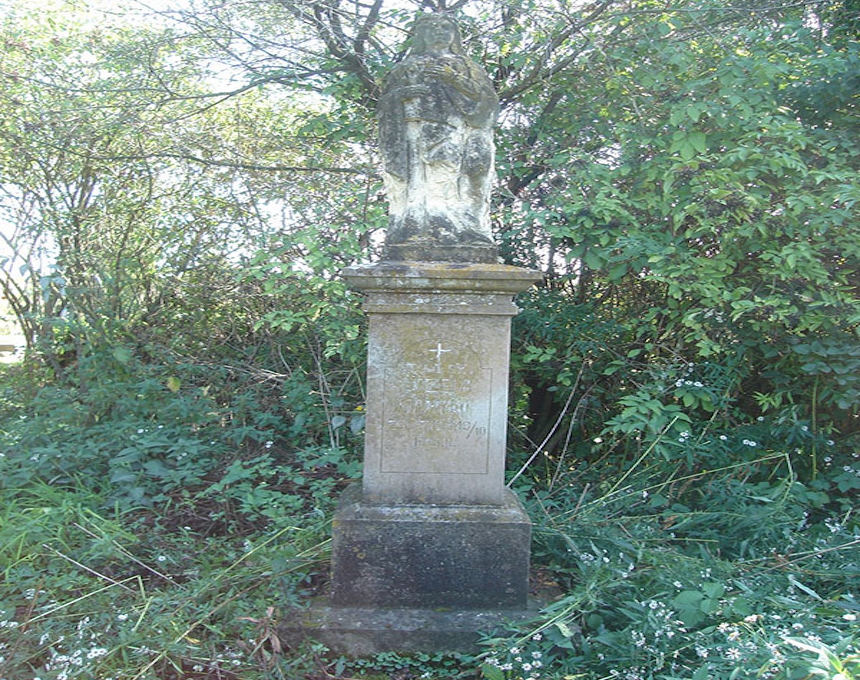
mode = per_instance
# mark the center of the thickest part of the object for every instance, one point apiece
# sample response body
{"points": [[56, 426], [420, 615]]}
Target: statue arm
{"points": [[473, 92], [398, 88], [400, 94], [464, 84]]}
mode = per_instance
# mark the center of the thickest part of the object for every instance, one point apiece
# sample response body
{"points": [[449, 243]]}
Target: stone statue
{"points": [[436, 118]]}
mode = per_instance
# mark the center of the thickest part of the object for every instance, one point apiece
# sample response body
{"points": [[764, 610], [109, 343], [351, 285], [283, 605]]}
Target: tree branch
{"points": [[248, 166]]}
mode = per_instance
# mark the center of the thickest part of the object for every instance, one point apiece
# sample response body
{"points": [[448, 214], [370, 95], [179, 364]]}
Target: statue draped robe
{"points": [[436, 135]]}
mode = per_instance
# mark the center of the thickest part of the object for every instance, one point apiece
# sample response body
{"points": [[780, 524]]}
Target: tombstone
{"points": [[431, 547]]}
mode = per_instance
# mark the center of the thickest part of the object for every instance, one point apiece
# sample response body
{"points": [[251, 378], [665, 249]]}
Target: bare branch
{"points": [[538, 72], [247, 166]]}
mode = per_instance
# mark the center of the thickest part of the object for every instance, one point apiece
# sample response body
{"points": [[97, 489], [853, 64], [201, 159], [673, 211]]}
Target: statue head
{"points": [[433, 32]]}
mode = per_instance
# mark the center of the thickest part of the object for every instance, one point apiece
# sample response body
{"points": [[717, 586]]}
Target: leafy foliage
{"points": [[696, 225]]}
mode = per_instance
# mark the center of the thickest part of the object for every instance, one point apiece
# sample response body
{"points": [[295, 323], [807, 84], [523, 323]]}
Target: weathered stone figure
{"points": [[436, 118]]}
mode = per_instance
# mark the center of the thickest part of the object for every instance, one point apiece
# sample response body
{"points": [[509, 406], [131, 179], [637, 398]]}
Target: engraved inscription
{"points": [[436, 417], [438, 351]]}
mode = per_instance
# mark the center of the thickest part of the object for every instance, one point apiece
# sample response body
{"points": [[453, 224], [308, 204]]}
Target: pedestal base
{"points": [[427, 556], [417, 251], [361, 631]]}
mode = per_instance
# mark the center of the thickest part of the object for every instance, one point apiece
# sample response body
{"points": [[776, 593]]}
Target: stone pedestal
{"points": [[437, 380], [431, 543], [430, 556]]}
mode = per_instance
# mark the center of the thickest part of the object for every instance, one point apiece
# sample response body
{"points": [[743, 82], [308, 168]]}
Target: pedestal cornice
{"points": [[440, 276], [440, 288]]}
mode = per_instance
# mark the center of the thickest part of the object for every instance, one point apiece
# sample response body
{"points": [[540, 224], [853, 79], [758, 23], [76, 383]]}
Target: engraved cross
{"points": [[438, 351]]}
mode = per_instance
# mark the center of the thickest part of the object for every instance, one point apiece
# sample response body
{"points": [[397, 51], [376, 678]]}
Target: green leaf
{"points": [[686, 149], [714, 590], [688, 597], [694, 112], [709, 606], [592, 260], [617, 272], [564, 629], [122, 355], [356, 423], [155, 468], [698, 140], [122, 476], [703, 673], [491, 672]]}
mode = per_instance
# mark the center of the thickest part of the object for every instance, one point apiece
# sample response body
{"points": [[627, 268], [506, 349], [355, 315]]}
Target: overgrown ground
{"points": [[160, 522]]}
